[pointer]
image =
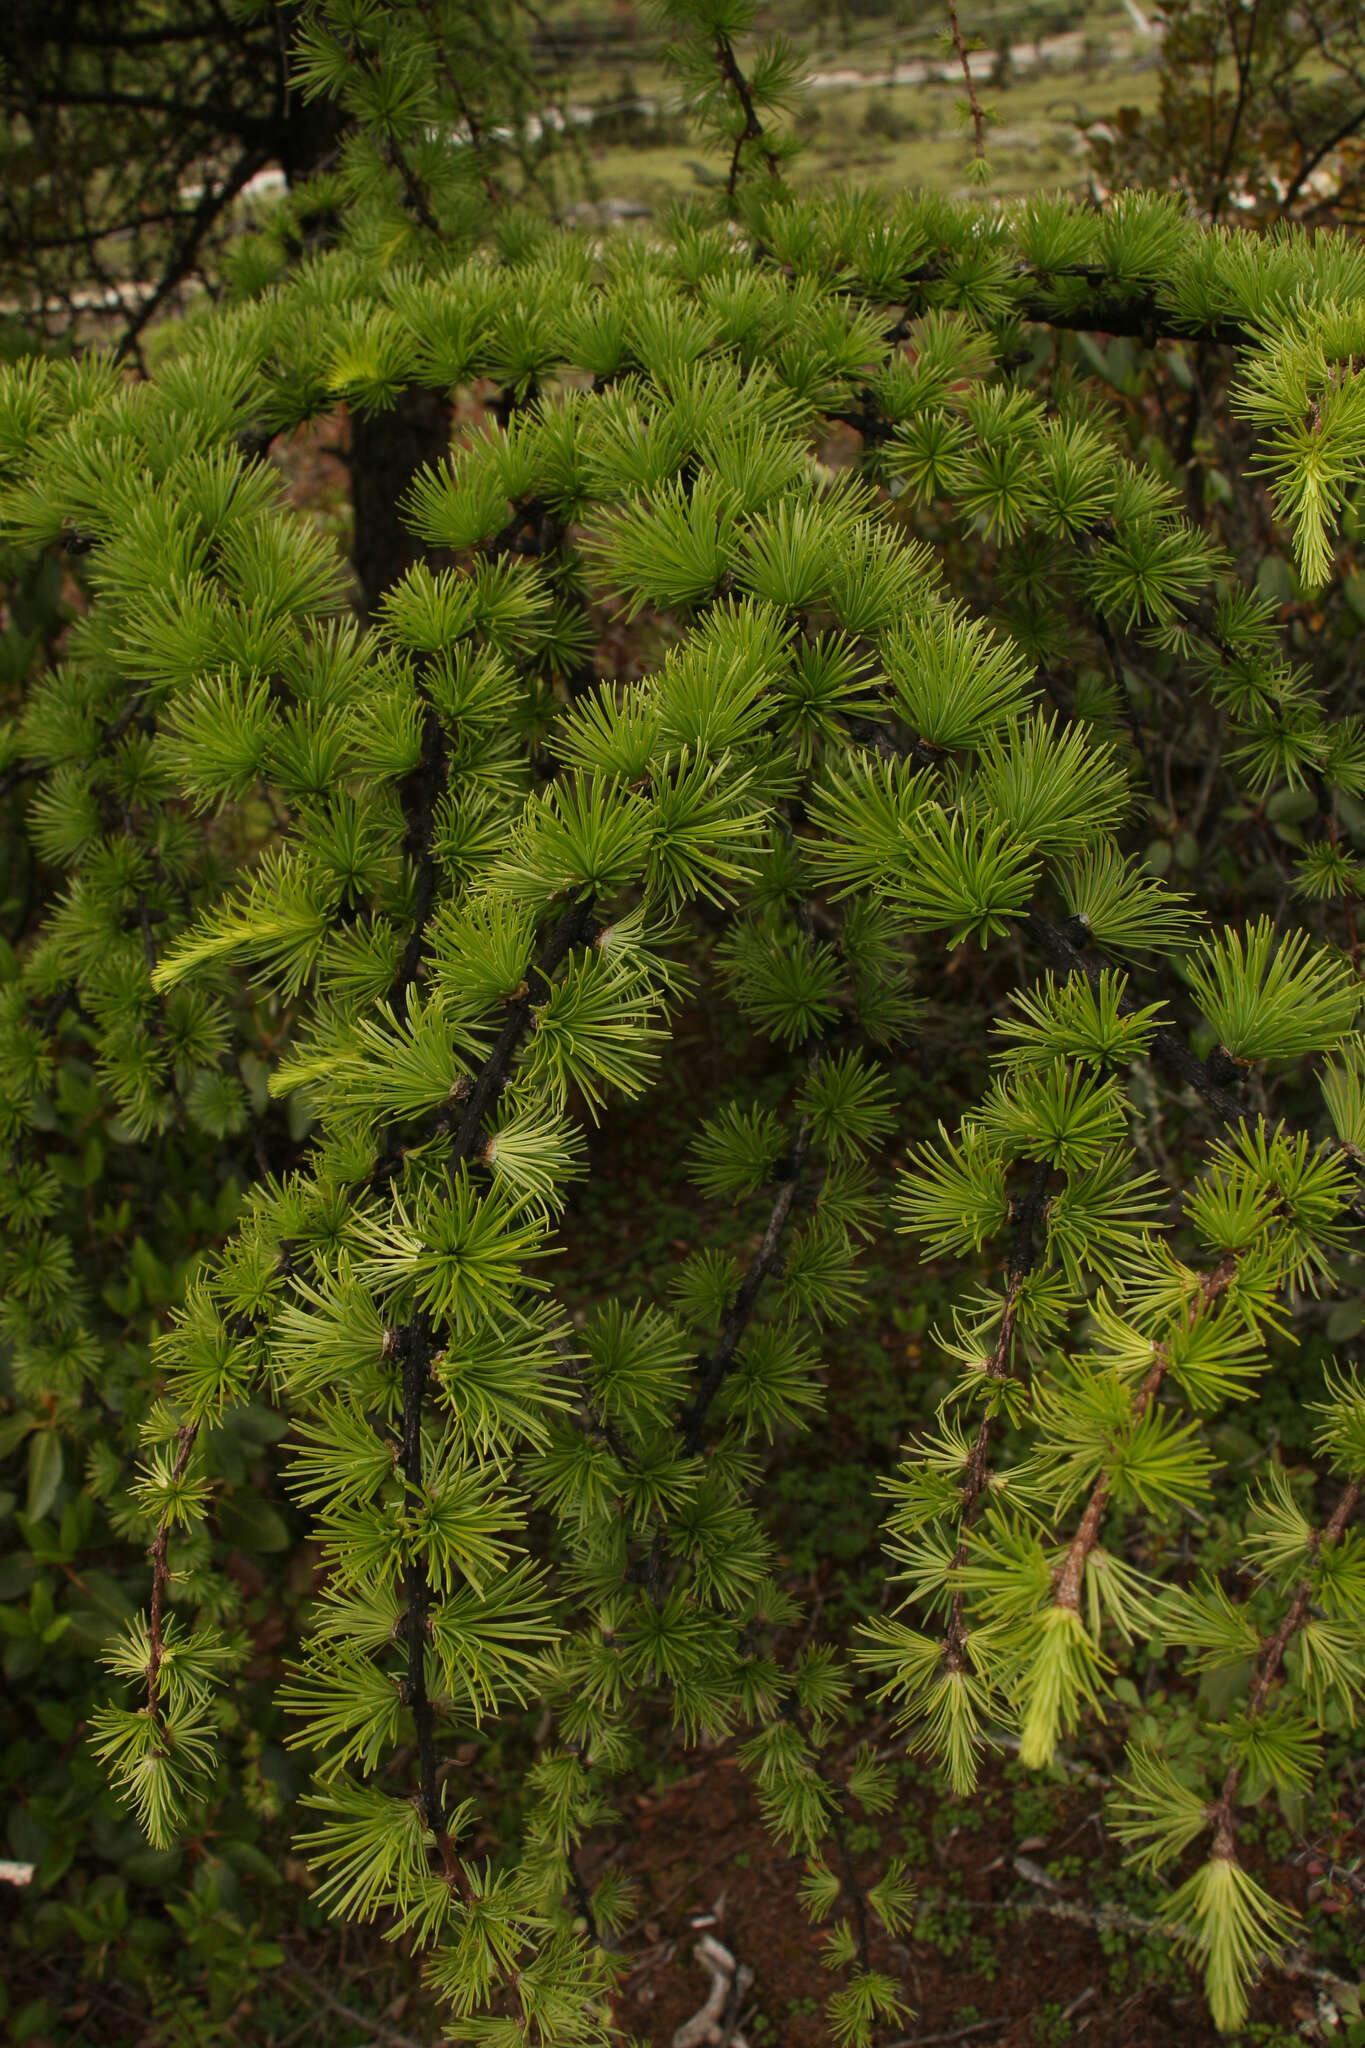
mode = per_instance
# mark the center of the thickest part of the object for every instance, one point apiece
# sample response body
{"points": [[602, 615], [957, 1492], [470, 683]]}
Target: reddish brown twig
{"points": [[974, 106], [1069, 1578], [1272, 1657]]}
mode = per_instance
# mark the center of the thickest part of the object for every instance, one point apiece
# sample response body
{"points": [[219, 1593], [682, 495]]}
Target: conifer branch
{"points": [[1025, 1248], [185, 1442], [416, 1347], [416, 193], [478, 140], [415, 1352], [1135, 319], [592, 1418], [1271, 1658], [573, 927], [850, 1882], [1125, 695], [530, 512], [1071, 1573], [415, 190], [583, 1898], [1103, 1919], [1167, 1049], [713, 1366], [693, 477], [974, 106], [728, 66], [421, 793]]}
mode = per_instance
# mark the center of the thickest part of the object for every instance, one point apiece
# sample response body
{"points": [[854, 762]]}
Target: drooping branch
{"points": [[421, 793], [1168, 1048], [417, 195], [1271, 1658], [416, 1349], [156, 1637], [1030, 1218], [1071, 1574], [974, 107], [416, 1346], [714, 1365], [850, 1882], [728, 66], [478, 139]]}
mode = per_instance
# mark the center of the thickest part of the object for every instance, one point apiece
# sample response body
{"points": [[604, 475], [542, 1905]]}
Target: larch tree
{"points": [[342, 931]]}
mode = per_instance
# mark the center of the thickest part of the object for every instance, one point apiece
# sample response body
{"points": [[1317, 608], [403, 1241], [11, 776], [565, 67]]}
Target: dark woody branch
{"points": [[416, 1345], [422, 790], [1168, 1050], [714, 1365], [728, 66]]}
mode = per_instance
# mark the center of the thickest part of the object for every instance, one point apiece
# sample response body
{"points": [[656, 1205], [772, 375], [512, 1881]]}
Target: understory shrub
{"points": [[808, 622]]}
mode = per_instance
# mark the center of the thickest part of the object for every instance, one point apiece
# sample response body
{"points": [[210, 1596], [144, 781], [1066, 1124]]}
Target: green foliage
{"points": [[346, 958]]}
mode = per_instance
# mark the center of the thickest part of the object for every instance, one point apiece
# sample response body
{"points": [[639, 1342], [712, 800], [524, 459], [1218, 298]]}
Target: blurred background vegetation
{"points": [[140, 136]]}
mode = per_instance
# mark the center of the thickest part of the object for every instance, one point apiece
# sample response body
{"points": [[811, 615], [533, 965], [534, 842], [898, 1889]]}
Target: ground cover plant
{"points": [[835, 766]]}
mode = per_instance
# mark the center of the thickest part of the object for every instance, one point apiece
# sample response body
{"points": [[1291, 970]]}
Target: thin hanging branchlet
{"points": [[1123, 690], [1071, 1572], [415, 1347], [714, 1364], [417, 195], [479, 141], [583, 1900], [976, 112], [851, 1884], [729, 68], [186, 1438], [414, 1351], [593, 1417], [1030, 1227], [1270, 1661], [421, 794]]}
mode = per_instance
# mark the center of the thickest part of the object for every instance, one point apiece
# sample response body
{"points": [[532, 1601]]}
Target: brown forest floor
{"points": [[975, 1968]]}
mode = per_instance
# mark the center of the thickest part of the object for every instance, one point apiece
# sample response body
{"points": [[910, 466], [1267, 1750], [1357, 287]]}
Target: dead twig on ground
{"points": [[713, 2023], [378, 2028], [1005, 2019]]}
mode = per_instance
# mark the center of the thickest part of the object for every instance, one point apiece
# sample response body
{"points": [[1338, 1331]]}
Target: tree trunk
{"points": [[387, 448]]}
